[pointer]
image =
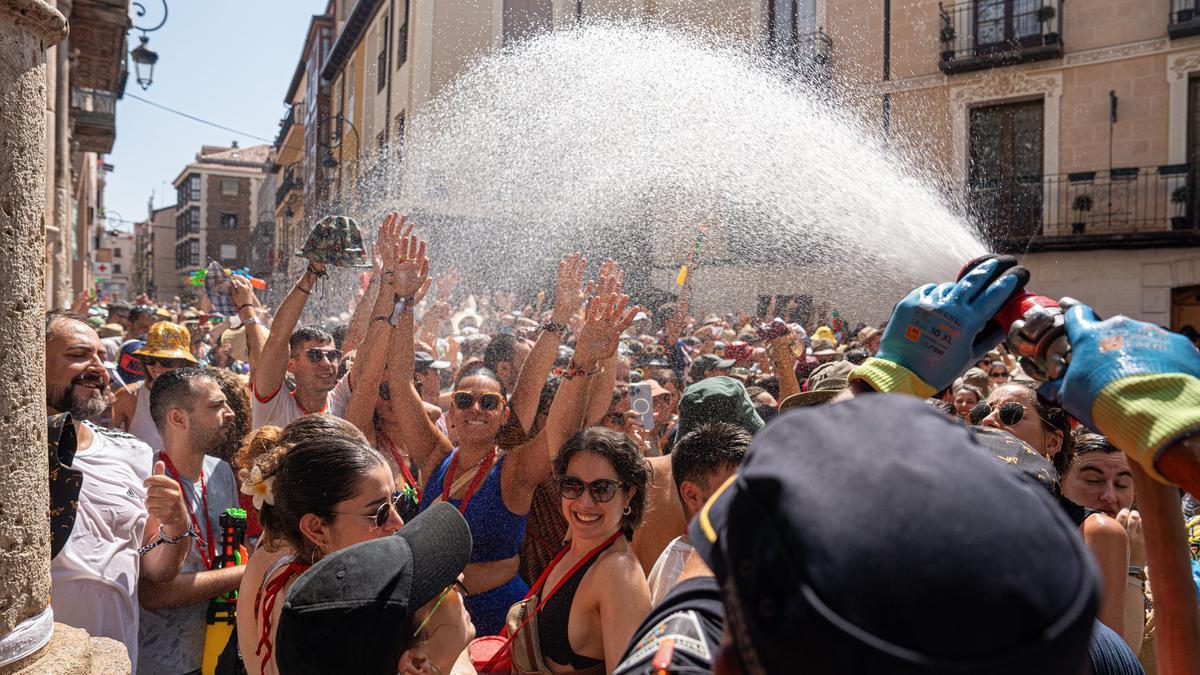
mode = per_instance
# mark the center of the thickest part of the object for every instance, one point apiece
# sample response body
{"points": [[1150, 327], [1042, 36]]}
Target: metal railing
{"points": [[292, 180], [1185, 18], [982, 33], [284, 126], [810, 54], [1125, 201], [94, 101]]}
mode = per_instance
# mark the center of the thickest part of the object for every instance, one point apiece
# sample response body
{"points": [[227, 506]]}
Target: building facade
{"points": [[216, 208], [115, 264]]}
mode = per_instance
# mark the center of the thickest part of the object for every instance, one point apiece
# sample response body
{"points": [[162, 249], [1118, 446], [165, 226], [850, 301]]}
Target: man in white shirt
{"points": [[125, 503], [308, 354], [700, 463]]}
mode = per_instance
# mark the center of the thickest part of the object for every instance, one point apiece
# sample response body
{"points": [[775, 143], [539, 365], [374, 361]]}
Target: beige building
{"points": [[115, 264]]}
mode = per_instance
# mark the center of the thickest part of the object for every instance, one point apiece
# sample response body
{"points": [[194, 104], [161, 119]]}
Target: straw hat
{"points": [[167, 340]]}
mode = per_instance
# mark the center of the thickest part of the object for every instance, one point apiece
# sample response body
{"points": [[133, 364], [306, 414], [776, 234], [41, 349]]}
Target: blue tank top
{"points": [[496, 532]]}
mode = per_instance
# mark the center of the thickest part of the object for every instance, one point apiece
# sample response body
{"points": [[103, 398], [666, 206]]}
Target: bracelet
{"points": [[551, 327], [162, 538], [302, 289], [572, 371], [241, 307], [250, 321], [385, 317]]}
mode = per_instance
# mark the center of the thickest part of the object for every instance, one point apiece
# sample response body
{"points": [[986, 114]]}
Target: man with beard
{"points": [[165, 350], [310, 356], [189, 407], [126, 500]]}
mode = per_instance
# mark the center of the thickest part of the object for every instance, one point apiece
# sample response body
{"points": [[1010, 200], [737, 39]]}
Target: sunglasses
{"points": [[999, 373], [163, 363], [456, 586], [602, 490], [463, 400], [1010, 413], [383, 513], [317, 355]]}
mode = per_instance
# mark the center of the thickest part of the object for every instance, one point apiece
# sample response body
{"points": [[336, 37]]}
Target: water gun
{"points": [[222, 610], [693, 256], [197, 278]]}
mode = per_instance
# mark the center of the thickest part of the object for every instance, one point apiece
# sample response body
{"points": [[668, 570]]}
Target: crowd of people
{"points": [[453, 481]]}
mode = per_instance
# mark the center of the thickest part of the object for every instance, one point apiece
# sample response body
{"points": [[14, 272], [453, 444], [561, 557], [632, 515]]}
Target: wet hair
{"points": [[944, 407], [239, 402], [175, 389], [139, 311], [308, 334], [480, 370], [1085, 442], [338, 333], [502, 349], [56, 315], [971, 389], [766, 412], [1053, 418], [856, 355], [626, 459], [770, 383], [708, 448], [320, 466]]}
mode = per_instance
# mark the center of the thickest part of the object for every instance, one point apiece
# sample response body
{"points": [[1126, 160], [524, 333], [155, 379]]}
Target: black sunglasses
{"points": [[999, 373], [463, 400], [602, 490], [316, 355], [163, 363], [1010, 413], [384, 512]]}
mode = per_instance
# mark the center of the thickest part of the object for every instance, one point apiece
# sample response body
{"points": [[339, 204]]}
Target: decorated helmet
{"points": [[336, 240]]}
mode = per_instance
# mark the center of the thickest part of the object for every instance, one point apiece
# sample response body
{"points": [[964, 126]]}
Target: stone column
{"points": [[27, 29]]}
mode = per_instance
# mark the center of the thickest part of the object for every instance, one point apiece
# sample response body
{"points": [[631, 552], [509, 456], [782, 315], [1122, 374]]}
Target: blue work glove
{"points": [[938, 330], [1134, 382]]}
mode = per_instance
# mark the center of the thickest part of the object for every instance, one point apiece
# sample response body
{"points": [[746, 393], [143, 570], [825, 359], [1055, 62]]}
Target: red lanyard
{"points": [[480, 475], [403, 463], [205, 551]]}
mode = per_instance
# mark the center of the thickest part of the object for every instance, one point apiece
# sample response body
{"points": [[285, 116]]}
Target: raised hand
{"points": [[604, 320], [164, 501], [389, 234], [241, 292], [569, 289], [409, 267], [675, 324], [447, 283]]}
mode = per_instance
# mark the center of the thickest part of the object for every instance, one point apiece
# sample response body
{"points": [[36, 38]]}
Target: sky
{"points": [[226, 61]]}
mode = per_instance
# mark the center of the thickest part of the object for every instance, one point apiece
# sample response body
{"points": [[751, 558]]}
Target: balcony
{"points": [[292, 180], [980, 34], [95, 113], [1127, 207], [1184, 20]]}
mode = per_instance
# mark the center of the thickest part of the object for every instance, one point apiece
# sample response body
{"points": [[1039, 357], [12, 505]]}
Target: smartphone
{"points": [[641, 403]]}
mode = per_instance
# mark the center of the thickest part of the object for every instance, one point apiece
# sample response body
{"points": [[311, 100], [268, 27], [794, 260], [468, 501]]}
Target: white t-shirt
{"points": [[280, 407], [94, 578], [665, 573]]}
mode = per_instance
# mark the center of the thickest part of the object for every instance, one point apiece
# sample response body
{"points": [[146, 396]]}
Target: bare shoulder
{"points": [[619, 560], [129, 391]]}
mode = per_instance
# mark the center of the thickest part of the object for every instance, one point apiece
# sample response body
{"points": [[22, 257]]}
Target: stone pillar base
{"points": [[71, 651]]}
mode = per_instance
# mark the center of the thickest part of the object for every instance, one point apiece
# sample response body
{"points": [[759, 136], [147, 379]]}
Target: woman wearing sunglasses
{"points": [[319, 489], [1015, 407], [583, 610], [492, 488]]}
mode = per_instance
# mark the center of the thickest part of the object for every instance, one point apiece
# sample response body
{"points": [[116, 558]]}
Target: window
{"points": [[229, 187], [381, 61], [1004, 23], [116, 252], [523, 18], [1005, 172], [788, 21], [194, 187], [228, 252], [229, 221], [402, 37], [193, 252], [116, 268]]}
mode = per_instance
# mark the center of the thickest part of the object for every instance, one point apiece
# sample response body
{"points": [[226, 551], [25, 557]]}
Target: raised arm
{"points": [[569, 296], [367, 372], [267, 375], [414, 430], [244, 299], [783, 362]]}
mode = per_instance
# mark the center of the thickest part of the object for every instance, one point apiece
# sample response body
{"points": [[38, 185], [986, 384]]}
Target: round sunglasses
{"points": [[602, 490], [1010, 413], [463, 400], [383, 513]]}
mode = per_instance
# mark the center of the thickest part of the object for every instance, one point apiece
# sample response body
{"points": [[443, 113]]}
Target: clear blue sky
{"points": [[227, 61]]}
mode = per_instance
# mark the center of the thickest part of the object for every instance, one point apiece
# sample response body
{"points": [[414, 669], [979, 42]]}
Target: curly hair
{"points": [[236, 395], [620, 450]]}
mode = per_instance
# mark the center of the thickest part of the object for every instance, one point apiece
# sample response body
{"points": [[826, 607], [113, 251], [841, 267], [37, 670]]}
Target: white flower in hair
{"points": [[259, 489]]}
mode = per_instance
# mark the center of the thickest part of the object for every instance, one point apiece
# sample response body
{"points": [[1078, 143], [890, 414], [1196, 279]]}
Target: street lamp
{"points": [[144, 59]]}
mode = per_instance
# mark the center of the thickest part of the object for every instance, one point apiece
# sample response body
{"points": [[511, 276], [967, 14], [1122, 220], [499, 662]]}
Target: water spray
{"points": [[1035, 329]]}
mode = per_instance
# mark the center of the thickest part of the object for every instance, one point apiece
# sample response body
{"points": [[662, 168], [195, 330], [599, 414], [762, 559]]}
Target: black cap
{"points": [[352, 611], [876, 536], [425, 361]]}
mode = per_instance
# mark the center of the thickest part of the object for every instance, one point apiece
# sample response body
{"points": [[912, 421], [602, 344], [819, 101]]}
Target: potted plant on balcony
{"points": [[1045, 14], [947, 36], [1081, 205], [1179, 197]]}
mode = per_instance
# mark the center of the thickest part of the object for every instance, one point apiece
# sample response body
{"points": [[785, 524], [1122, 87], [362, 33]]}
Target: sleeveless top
{"points": [[142, 425], [554, 621], [496, 532], [268, 594]]}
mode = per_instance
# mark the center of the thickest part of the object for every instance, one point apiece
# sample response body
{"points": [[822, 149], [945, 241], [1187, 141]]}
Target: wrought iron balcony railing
{"points": [[978, 34], [292, 180], [1127, 206], [1185, 19], [95, 112]]}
